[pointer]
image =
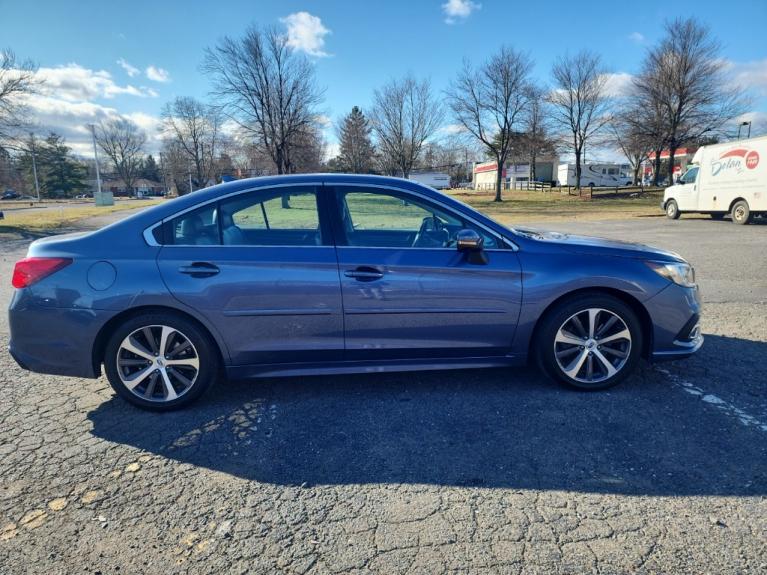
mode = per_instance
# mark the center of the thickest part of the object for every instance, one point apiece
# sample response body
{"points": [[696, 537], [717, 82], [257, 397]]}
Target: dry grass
{"points": [[522, 206], [55, 218]]}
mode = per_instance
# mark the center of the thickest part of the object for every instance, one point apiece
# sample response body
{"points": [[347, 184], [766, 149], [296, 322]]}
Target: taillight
{"points": [[31, 270]]}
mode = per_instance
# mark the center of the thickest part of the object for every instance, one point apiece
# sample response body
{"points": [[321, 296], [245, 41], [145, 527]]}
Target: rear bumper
{"points": [[55, 341]]}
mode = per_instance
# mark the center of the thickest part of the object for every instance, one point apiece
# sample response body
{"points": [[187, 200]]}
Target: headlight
{"points": [[680, 273]]}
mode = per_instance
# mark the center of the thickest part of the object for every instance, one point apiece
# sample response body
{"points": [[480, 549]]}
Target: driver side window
{"points": [[382, 219]]}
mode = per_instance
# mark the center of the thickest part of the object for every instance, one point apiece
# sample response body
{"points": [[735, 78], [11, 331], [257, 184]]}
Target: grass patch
{"points": [[54, 219], [521, 206]]}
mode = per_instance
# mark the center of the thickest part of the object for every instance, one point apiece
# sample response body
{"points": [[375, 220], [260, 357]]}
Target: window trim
{"points": [[505, 244], [318, 191]]}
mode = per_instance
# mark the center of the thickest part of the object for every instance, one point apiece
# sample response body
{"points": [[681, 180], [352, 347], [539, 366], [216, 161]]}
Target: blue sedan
{"points": [[329, 274]]}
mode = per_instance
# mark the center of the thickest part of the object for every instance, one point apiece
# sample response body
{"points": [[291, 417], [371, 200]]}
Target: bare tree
{"points": [[123, 143], [17, 80], [535, 137], [405, 114], [632, 141], [267, 88], [195, 127], [490, 102], [579, 102], [683, 76]]}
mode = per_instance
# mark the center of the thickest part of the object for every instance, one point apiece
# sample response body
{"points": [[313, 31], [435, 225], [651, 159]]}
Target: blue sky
{"points": [[355, 46]]}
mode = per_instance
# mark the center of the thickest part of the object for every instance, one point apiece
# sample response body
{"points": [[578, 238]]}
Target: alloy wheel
{"points": [[157, 363], [592, 345]]}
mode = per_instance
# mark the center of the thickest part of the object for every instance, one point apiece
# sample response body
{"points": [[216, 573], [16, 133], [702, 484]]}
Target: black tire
{"points": [[546, 343], [202, 346], [741, 213], [717, 216], [672, 210]]}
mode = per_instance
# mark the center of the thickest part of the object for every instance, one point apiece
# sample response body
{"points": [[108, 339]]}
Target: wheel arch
{"points": [[735, 201], [637, 307], [100, 342]]}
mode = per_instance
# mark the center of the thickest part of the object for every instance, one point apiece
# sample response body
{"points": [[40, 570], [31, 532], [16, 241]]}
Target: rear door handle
{"points": [[200, 269], [364, 274]]}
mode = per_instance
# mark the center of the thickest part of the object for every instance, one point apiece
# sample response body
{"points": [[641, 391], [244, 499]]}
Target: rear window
{"points": [[196, 228]]}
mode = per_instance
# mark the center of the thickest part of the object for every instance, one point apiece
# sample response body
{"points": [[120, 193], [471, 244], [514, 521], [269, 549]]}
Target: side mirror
{"points": [[471, 243], [680, 182]]}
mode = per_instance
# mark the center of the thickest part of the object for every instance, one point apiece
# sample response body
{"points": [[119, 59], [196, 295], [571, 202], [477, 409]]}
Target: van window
{"points": [[690, 175]]}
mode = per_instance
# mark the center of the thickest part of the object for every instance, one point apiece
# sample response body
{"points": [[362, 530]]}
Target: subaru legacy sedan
{"points": [[331, 274]]}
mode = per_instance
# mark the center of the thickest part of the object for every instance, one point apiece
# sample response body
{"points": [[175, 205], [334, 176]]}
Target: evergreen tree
{"points": [[59, 173], [149, 169], [356, 148]]}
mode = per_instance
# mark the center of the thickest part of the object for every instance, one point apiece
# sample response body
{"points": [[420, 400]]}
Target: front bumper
{"points": [[675, 314]]}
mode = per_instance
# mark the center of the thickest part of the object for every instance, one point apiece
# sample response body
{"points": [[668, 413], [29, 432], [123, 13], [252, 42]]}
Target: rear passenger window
{"points": [[196, 228], [288, 217]]}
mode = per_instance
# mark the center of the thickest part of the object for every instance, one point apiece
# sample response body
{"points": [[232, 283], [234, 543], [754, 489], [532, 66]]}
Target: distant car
{"points": [[10, 195], [311, 274]]}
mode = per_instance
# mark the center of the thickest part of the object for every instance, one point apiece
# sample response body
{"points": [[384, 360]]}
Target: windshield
{"points": [[690, 175]]}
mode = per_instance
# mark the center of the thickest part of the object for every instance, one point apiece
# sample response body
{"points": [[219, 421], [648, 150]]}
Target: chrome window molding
{"points": [[149, 238]]}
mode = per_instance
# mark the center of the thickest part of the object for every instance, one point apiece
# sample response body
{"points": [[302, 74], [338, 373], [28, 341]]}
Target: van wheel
{"points": [[740, 213], [160, 361], [672, 210]]}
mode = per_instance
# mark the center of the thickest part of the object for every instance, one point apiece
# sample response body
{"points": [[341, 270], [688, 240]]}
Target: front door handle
{"points": [[364, 274], [200, 269]]}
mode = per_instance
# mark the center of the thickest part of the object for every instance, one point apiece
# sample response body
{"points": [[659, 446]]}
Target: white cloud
{"points": [[637, 37], [459, 10], [129, 69], [749, 75], [157, 74], [452, 129], [306, 33], [73, 82], [618, 85]]}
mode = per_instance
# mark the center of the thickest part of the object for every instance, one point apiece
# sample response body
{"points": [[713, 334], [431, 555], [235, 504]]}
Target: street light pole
{"points": [[96, 156], [34, 166]]}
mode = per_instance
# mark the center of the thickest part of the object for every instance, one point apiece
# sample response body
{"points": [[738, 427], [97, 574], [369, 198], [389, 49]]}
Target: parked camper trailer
{"points": [[724, 178], [595, 175], [436, 180]]}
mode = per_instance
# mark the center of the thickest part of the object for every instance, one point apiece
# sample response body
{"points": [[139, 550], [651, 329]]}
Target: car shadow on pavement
{"points": [[484, 428]]}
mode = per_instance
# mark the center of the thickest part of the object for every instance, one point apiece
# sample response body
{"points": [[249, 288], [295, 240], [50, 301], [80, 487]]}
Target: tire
{"points": [[717, 216], [741, 214], [672, 210], [145, 377], [582, 364]]}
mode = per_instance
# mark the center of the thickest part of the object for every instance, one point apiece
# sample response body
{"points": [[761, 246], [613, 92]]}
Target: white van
{"points": [[724, 178]]}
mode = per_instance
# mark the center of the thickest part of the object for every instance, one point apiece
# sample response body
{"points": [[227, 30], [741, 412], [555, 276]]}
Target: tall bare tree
{"points": [[579, 102], [405, 114], [635, 143], [355, 146], [490, 102], [535, 132], [684, 77], [123, 143], [196, 128], [17, 80], [268, 88]]}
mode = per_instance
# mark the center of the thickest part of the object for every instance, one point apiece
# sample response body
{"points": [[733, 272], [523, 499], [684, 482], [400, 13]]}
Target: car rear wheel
{"points": [[741, 214], [160, 361], [590, 342], [672, 210]]}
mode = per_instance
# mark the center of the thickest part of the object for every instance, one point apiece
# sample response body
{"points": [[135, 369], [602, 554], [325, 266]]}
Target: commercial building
{"points": [[515, 174]]}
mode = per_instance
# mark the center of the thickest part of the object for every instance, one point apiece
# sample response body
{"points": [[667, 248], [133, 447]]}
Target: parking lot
{"points": [[454, 471]]}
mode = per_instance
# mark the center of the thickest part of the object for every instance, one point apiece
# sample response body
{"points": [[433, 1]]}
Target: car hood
{"points": [[601, 246]]}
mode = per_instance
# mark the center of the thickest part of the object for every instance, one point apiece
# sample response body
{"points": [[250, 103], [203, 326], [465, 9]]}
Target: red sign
{"points": [[752, 159]]}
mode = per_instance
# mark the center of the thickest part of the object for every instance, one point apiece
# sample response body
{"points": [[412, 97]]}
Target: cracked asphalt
{"points": [[494, 471]]}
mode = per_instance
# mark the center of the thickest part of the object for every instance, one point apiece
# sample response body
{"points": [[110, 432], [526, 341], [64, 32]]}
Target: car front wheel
{"points": [[672, 210], [160, 361], [590, 342]]}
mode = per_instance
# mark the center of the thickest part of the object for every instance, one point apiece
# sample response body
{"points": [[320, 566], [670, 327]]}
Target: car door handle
{"points": [[200, 269], [364, 274]]}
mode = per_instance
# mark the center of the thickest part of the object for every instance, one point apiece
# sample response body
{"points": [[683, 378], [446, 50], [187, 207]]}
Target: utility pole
{"points": [[96, 156], [34, 166], [191, 189]]}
